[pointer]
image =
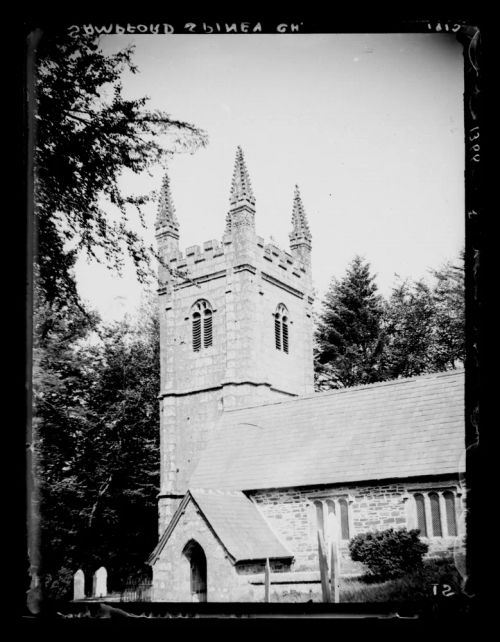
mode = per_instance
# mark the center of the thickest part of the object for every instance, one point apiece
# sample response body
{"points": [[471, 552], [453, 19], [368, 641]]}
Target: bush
{"points": [[390, 553]]}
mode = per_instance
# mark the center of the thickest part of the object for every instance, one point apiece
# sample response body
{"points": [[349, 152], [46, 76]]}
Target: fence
{"points": [[137, 593]]}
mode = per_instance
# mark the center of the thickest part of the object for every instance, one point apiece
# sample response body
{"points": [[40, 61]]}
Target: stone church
{"points": [[252, 460]]}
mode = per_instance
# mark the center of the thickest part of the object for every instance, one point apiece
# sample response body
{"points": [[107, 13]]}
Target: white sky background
{"points": [[369, 126]]}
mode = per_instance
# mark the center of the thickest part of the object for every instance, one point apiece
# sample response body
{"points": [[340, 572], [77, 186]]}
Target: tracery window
{"points": [[339, 506], [281, 322], [434, 512], [201, 316]]}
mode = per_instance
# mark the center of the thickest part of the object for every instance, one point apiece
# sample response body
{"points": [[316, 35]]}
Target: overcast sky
{"points": [[369, 126]]}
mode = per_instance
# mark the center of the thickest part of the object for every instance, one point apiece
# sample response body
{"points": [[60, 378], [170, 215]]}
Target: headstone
{"points": [[79, 585], [100, 582]]}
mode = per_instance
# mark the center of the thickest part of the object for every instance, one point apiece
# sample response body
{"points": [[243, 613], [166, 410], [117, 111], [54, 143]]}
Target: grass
{"points": [[427, 586]]}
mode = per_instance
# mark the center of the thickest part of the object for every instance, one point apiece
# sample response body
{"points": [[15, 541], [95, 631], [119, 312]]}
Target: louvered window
{"points": [[285, 334], [202, 320], [281, 323], [207, 329], [196, 331], [277, 332]]}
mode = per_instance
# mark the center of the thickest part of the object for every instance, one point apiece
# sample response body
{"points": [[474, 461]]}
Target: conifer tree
{"points": [[349, 338]]}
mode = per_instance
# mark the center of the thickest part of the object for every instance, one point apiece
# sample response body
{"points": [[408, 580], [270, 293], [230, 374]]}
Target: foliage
{"points": [[425, 325], [362, 338], [348, 336], [435, 586], [409, 319], [449, 324], [424, 586], [87, 135], [389, 553], [96, 435]]}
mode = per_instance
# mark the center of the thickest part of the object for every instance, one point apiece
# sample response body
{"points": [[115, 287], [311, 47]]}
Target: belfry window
{"points": [[281, 321], [201, 315]]}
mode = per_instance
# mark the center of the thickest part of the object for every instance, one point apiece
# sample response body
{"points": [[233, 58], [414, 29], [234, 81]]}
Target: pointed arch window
{"points": [[281, 323], [202, 326]]}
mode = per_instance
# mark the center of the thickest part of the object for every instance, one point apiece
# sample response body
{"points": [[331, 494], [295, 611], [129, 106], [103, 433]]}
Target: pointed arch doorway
{"points": [[195, 555]]}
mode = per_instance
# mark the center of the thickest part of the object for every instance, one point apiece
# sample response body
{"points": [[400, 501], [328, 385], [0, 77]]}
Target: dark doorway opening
{"points": [[198, 571]]}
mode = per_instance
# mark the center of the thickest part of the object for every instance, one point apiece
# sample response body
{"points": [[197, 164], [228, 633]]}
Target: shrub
{"points": [[390, 553]]}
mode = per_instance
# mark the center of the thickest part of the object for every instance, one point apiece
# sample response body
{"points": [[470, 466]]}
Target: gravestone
{"points": [[100, 582], [79, 585]]}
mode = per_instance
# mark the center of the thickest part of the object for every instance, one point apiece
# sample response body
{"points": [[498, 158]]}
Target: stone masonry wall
{"points": [[292, 515], [244, 281], [171, 572]]}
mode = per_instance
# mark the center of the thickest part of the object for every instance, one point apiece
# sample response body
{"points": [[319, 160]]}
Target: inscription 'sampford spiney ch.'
{"points": [[165, 28]]}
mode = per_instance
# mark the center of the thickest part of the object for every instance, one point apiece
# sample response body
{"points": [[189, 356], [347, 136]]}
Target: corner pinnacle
{"points": [[241, 188], [300, 226], [166, 210]]}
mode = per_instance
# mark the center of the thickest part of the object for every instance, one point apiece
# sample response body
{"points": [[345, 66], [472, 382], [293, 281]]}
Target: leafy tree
{"points": [[362, 339], [349, 339], [409, 322], [87, 135], [425, 325], [121, 467], [449, 304], [97, 446], [59, 416]]}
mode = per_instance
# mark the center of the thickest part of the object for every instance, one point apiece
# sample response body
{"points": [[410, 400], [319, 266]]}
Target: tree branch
{"points": [[104, 487]]}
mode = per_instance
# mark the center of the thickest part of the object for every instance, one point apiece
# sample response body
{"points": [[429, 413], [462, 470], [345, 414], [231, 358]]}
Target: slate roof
{"points": [[236, 522], [397, 429]]}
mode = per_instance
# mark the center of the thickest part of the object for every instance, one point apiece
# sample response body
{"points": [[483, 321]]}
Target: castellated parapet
{"points": [[196, 259], [240, 282]]}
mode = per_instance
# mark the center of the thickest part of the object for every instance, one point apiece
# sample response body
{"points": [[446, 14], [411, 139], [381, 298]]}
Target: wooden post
{"points": [[267, 582], [333, 533], [323, 567], [334, 571]]}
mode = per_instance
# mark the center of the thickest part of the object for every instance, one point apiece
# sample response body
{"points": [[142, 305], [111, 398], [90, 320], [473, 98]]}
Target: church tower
{"points": [[237, 331]]}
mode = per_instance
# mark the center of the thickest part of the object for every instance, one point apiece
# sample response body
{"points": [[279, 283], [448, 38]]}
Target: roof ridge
{"points": [[364, 386]]}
